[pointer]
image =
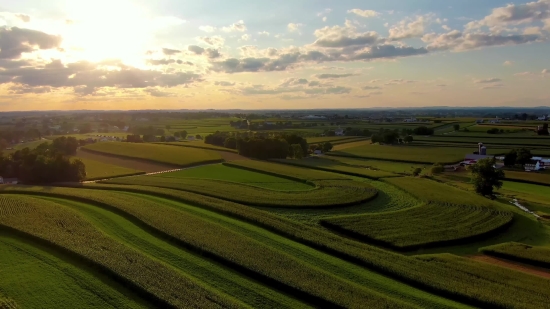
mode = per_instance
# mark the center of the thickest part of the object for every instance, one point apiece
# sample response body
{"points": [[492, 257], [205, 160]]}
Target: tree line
{"points": [[47, 163]]}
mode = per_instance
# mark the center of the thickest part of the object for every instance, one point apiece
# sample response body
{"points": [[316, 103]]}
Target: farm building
{"points": [[537, 164], [479, 121], [480, 154], [339, 132], [8, 181]]}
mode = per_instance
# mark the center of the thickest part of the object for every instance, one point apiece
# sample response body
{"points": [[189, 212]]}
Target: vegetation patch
{"points": [[333, 166], [96, 170], [177, 156], [426, 226], [532, 255]]}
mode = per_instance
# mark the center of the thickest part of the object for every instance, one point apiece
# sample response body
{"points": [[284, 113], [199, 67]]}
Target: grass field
{"points": [[177, 156], [416, 154], [99, 170], [529, 177], [334, 166], [237, 175], [385, 166], [199, 145], [536, 256]]}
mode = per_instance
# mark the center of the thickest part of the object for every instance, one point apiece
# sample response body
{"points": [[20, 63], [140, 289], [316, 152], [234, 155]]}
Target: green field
{"points": [[177, 156], [99, 170], [415, 154], [536, 256], [334, 166], [199, 145], [386, 166]]}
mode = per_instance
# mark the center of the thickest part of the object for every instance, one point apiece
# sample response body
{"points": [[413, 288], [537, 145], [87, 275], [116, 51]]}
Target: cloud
{"points": [[264, 33], [459, 41], [337, 90], [235, 27], [155, 92], [245, 37], [344, 36], [169, 52], [23, 17], [224, 83], [324, 18], [292, 27], [209, 52], [332, 76], [487, 81], [388, 51], [163, 61], [364, 13], [508, 63], [195, 49], [514, 14], [407, 29], [21, 89], [208, 29], [16, 41], [370, 87], [399, 82], [493, 86], [213, 40], [545, 71], [294, 82]]}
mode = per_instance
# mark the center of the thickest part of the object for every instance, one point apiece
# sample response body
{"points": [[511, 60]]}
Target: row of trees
{"points": [[47, 163], [517, 156]]}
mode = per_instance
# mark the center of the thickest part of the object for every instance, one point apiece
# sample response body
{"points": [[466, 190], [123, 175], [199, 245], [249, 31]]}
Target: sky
{"points": [[257, 54]]}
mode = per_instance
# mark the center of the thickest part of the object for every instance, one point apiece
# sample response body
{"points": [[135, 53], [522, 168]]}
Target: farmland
{"points": [[352, 228], [177, 156]]}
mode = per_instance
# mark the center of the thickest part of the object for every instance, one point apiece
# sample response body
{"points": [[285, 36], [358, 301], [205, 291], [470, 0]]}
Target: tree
{"points": [[163, 138], [423, 130], [485, 177], [230, 143], [183, 134], [510, 158], [437, 168], [543, 130], [327, 146], [408, 139], [297, 151], [456, 127], [523, 156], [417, 171]]}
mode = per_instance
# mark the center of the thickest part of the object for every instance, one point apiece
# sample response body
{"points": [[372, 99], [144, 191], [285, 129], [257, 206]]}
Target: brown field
{"points": [[541, 272]]}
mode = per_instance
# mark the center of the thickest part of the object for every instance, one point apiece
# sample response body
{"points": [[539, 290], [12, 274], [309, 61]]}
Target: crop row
{"points": [[421, 227], [283, 170], [237, 251], [178, 156], [65, 229], [6, 303], [329, 193], [473, 283], [537, 256]]}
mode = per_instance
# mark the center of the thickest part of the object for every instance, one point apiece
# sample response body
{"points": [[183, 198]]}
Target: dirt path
{"points": [[136, 164], [513, 265]]}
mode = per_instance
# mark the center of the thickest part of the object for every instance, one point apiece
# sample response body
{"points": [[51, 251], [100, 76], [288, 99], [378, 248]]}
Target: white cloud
{"points": [[459, 41], [324, 12], [293, 27], [408, 28], [445, 27], [545, 71], [487, 81], [364, 13], [508, 63], [245, 37], [514, 14], [264, 33], [324, 18], [207, 28], [235, 27], [215, 40]]}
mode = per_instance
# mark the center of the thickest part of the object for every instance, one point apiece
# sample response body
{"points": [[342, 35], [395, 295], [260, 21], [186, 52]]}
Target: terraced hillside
{"points": [[248, 234]]}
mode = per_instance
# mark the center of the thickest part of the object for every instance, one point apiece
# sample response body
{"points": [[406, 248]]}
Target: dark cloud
{"points": [[224, 83], [370, 87], [458, 41], [338, 90], [15, 41], [169, 52], [363, 39], [161, 61], [332, 75], [195, 49], [154, 92], [209, 52], [20, 89]]}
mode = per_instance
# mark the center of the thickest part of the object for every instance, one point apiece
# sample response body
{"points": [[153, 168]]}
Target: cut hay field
{"points": [[98, 170], [176, 156], [414, 154]]}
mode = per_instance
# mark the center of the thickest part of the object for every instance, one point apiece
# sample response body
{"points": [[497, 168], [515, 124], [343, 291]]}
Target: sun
{"points": [[107, 29]]}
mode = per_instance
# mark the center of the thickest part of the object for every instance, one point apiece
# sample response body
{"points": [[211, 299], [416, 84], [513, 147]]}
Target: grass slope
{"points": [[237, 175], [98, 170], [179, 156]]}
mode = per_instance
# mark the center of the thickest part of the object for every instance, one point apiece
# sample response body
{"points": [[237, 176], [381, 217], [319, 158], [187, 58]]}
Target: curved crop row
{"points": [[332, 190], [6, 303], [65, 229], [226, 246], [472, 283], [329, 193], [536, 256], [421, 227]]}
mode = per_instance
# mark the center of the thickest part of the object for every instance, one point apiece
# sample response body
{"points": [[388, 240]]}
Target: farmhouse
{"points": [[543, 118], [480, 154], [479, 121], [537, 164], [339, 132]]}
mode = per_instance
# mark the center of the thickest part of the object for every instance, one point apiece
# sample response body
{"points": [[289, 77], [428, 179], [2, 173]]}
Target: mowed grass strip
{"points": [[532, 255], [177, 156], [213, 274], [468, 284], [329, 193], [238, 175], [414, 154], [98, 170], [422, 227], [35, 275], [64, 228], [214, 241], [333, 166]]}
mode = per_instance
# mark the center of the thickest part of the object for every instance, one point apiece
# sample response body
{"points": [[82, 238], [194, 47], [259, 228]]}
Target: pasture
{"points": [[176, 156]]}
